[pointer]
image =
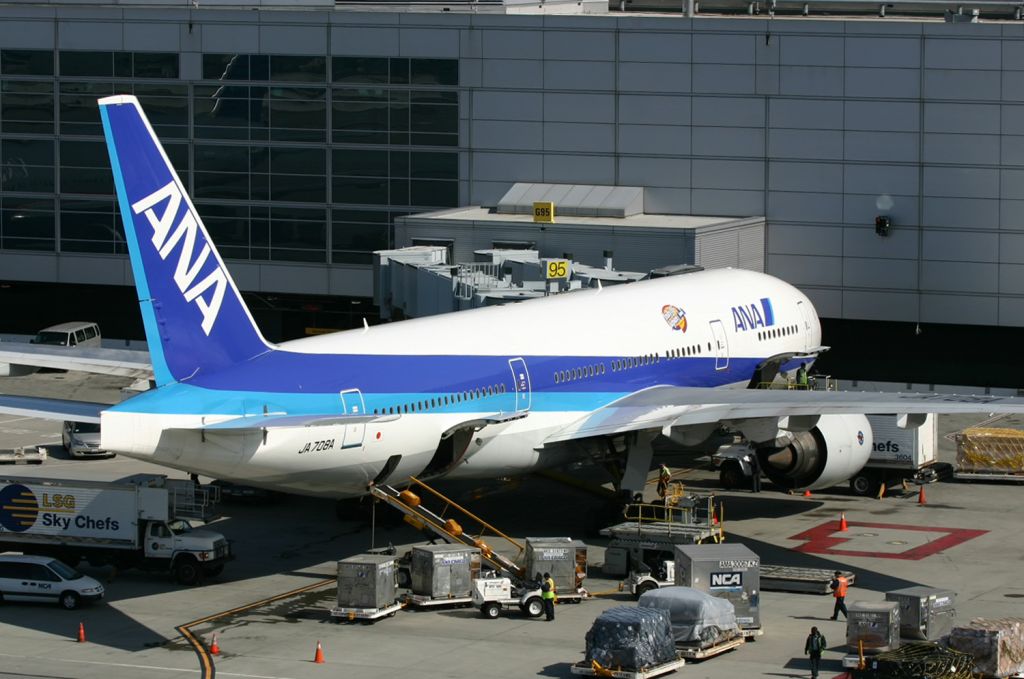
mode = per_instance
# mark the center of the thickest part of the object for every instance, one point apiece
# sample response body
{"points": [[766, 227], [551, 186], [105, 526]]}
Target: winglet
{"points": [[194, 316]]}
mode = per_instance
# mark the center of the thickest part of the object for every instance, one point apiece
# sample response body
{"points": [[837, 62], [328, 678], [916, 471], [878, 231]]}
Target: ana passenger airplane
{"points": [[491, 392]]}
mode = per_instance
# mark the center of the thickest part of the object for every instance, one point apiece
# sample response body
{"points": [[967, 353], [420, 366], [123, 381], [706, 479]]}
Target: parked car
{"points": [[73, 334], [43, 578], [82, 439]]}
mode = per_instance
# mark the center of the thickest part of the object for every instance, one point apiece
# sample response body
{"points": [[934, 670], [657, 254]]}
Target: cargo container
{"points": [[367, 587], [925, 612], [564, 558], [139, 522], [875, 624], [727, 571], [442, 574]]}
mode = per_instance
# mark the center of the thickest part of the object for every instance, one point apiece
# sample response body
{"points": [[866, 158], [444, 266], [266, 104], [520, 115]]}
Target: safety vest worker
{"points": [[839, 585], [664, 477], [547, 593]]}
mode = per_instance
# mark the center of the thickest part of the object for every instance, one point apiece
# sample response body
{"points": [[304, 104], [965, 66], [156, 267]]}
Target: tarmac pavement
{"points": [[295, 542]]}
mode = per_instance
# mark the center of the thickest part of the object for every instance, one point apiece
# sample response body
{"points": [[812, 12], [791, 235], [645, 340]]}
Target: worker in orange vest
{"points": [[839, 585]]}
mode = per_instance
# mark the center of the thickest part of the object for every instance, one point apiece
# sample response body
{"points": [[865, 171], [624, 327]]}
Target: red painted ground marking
{"points": [[820, 540]]}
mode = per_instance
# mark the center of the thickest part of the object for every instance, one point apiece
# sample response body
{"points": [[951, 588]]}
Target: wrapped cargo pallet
{"points": [[631, 638], [990, 449], [997, 645], [698, 619]]}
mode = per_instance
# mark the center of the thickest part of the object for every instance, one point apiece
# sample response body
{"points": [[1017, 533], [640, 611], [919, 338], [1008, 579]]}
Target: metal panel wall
{"points": [[820, 128]]}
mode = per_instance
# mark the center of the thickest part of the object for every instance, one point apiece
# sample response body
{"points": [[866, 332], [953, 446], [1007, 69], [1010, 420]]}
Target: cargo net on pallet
{"points": [[918, 659], [990, 449], [995, 644]]}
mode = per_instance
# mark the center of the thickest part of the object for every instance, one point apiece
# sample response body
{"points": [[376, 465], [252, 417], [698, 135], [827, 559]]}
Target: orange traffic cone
{"points": [[807, 493], [842, 522], [714, 516], [81, 633], [920, 497], [214, 648], [319, 657]]}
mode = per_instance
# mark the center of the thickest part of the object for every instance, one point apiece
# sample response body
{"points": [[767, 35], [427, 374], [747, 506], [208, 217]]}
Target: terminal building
{"points": [[879, 158]]}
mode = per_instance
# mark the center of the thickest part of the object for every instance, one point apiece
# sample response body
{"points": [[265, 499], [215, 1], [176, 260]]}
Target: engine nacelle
{"points": [[828, 454]]}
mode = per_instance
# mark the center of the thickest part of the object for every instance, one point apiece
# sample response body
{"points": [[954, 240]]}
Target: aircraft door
{"points": [[720, 345], [521, 383], [806, 320], [352, 404]]}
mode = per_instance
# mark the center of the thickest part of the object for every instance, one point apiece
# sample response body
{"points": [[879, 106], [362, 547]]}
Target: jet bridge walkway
{"points": [[452, 522]]}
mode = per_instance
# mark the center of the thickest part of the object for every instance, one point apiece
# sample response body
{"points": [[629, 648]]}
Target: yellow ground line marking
{"points": [[206, 666]]}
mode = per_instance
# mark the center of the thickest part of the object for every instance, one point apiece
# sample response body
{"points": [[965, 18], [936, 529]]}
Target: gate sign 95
{"points": [[557, 268]]}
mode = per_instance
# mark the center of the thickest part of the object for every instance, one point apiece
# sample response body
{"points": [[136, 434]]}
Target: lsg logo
{"points": [[726, 579]]}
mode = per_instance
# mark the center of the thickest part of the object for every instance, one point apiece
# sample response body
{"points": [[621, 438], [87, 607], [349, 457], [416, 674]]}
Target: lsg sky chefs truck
{"points": [[139, 522]]}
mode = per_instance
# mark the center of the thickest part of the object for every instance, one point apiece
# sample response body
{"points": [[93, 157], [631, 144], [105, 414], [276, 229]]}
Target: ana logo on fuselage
{"points": [[187, 269], [751, 316]]}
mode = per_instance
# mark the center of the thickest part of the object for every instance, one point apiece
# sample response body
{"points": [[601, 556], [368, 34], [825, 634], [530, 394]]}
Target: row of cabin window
{"points": [[777, 332], [442, 401], [579, 373], [635, 362], [683, 352]]}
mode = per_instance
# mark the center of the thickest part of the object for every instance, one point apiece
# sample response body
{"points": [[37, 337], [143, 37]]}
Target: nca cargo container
{"points": [[727, 571]]}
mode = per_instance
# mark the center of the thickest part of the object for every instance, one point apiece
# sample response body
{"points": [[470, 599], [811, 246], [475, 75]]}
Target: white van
{"points": [[43, 578], [73, 334]]}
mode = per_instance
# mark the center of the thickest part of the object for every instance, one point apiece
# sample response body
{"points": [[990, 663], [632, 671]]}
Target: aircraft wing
{"points": [[51, 408], [125, 362], [663, 407]]}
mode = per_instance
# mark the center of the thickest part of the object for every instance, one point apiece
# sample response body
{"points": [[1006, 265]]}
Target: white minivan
{"points": [[82, 439], [43, 578], [73, 334]]}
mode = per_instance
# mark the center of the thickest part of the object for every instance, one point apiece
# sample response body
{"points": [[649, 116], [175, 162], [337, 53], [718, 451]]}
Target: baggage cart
{"points": [[587, 669], [801, 580], [340, 613], [23, 455], [718, 648], [427, 601]]}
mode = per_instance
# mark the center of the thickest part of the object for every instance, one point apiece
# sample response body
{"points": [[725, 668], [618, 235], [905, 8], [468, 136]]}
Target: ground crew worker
{"points": [[839, 584], [801, 376], [664, 476], [755, 472], [551, 583], [547, 594], [813, 647]]}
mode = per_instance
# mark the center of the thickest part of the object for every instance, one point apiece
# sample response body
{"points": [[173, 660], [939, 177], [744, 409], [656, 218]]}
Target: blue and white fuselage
{"points": [[557, 359]]}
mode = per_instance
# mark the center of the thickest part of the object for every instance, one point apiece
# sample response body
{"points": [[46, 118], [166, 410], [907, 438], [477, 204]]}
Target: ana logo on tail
{"points": [[187, 269]]}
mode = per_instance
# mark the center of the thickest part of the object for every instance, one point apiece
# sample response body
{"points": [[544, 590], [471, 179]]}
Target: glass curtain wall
{"points": [[288, 158]]}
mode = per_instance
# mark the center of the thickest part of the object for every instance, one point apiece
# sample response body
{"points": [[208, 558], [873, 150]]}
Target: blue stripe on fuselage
{"points": [[310, 383]]}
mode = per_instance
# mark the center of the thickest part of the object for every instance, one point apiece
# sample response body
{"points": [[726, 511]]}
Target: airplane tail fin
{"points": [[195, 319]]}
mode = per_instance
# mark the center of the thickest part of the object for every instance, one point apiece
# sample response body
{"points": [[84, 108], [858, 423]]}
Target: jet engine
{"points": [[828, 454]]}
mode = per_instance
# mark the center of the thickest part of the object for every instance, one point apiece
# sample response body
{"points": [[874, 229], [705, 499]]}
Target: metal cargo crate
{"points": [[727, 571], [876, 624], [564, 558], [444, 571], [925, 612], [367, 581]]}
